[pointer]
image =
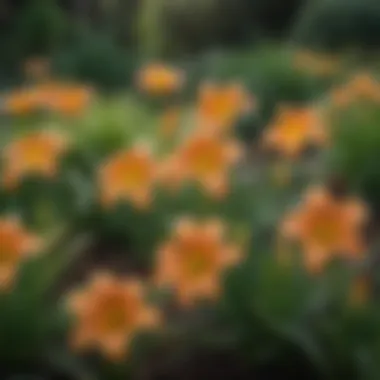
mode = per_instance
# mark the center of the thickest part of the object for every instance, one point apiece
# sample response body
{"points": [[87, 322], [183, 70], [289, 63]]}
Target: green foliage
{"points": [[33, 324], [191, 26], [111, 124], [356, 151], [39, 28], [339, 24], [151, 28], [94, 58]]}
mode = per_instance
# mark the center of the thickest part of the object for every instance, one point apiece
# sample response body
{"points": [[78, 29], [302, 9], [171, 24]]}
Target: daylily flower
{"points": [[128, 175], [62, 98], [16, 245], [220, 106], [159, 80], [109, 312], [66, 99], [293, 129], [206, 160], [37, 153], [362, 86], [21, 102], [193, 260], [326, 227]]}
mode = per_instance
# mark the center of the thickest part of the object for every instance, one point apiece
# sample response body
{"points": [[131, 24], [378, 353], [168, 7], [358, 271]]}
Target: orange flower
{"points": [[129, 175], [363, 86], [317, 64], [220, 106], [342, 97], [21, 102], [69, 100], [160, 80], [16, 245], [366, 86], [170, 122], [326, 227], [171, 174], [108, 312], [293, 129], [206, 160], [34, 154], [194, 258]]}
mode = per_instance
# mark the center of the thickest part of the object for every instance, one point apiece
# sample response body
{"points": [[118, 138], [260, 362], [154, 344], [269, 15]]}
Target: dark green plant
{"points": [[39, 28], [356, 151], [33, 325], [339, 24], [94, 58]]}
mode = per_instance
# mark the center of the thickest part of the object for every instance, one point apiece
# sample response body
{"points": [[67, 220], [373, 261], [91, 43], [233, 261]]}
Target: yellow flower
{"points": [[34, 154], [16, 245], [194, 259], [128, 175], [159, 80], [326, 227], [293, 129], [220, 106], [206, 160], [108, 313]]}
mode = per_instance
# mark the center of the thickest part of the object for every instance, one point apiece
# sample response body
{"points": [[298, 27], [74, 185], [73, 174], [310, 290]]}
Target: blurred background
{"points": [[98, 41]]}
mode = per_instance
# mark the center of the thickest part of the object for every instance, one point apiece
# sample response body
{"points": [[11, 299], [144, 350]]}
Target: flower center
{"points": [[8, 249], [112, 315], [221, 110], [326, 231], [135, 175], [116, 319], [197, 265], [197, 261], [295, 130], [206, 164], [206, 160], [35, 156]]}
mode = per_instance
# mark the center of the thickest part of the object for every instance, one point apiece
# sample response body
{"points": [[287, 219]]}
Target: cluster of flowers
{"points": [[109, 309], [45, 94]]}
